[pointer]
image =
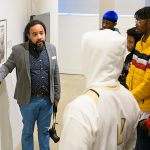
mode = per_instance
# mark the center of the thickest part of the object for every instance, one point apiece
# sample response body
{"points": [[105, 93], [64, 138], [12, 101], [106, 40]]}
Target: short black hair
{"points": [[132, 32], [31, 24], [143, 13]]}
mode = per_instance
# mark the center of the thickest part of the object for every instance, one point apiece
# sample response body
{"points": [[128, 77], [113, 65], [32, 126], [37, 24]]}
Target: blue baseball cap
{"points": [[111, 16]]}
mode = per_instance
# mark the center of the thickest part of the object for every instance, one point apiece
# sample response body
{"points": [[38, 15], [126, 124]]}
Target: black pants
{"points": [[143, 140]]}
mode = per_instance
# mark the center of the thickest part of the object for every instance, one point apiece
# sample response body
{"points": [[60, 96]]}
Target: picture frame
{"points": [[3, 40]]}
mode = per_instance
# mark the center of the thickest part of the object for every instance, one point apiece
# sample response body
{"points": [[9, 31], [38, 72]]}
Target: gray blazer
{"points": [[19, 59]]}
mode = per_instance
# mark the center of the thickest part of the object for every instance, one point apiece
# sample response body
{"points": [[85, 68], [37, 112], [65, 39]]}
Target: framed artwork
{"points": [[3, 40]]}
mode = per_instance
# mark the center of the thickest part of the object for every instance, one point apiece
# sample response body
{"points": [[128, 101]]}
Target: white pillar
{"points": [[103, 7]]}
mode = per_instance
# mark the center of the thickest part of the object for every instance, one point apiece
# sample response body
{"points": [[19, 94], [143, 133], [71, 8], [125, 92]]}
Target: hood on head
{"points": [[103, 53]]}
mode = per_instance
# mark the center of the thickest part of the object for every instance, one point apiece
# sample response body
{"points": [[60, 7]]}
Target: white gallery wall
{"points": [[71, 28], [17, 14], [73, 23]]}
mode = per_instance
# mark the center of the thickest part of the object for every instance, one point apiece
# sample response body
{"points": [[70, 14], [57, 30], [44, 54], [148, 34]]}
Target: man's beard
{"points": [[39, 45]]}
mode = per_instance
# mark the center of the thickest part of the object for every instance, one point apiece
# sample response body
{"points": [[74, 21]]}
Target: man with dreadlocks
{"points": [[138, 79]]}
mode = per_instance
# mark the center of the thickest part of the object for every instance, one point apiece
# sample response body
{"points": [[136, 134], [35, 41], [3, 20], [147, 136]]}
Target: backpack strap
{"points": [[93, 94]]}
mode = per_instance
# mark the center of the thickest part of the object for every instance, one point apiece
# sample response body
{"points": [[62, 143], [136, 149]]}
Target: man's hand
{"points": [[55, 105], [56, 102], [142, 124]]}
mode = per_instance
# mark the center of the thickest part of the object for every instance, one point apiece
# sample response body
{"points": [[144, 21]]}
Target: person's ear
{"points": [[28, 36], [115, 23]]}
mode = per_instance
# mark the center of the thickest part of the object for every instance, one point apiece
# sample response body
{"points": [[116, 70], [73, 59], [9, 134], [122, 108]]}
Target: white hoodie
{"points": [[103, 53], [107, 122]]}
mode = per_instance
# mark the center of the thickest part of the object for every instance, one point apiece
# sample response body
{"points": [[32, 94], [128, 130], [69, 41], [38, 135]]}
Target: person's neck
{"points": [[146, 35]]}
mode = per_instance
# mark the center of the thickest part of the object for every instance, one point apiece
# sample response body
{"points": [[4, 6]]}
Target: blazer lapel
{"points": [[26, 57], [49, 52]]}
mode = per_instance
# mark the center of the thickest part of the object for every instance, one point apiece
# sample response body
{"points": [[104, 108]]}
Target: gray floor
{"points": [[71, 87]]}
